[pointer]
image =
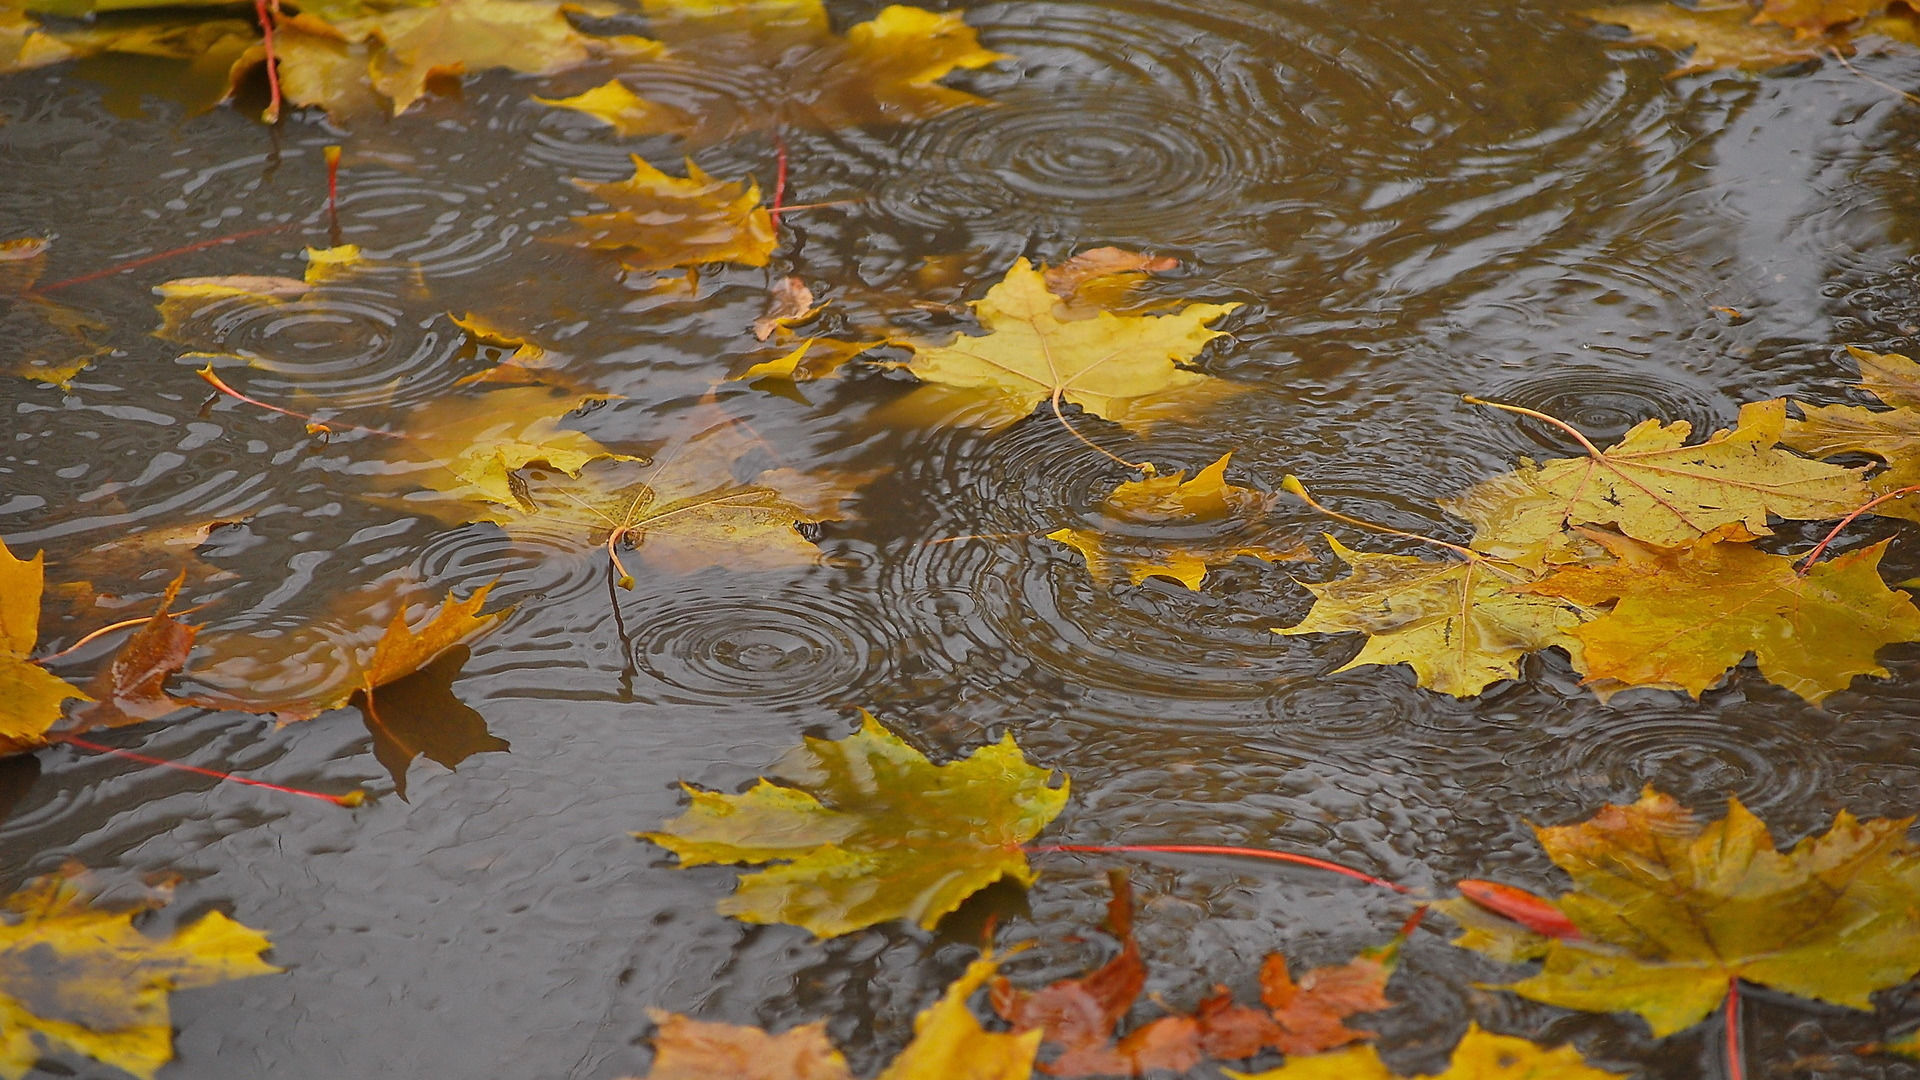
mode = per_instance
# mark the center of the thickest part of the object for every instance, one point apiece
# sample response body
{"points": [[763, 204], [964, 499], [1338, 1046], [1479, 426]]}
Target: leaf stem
{"points": [[1216, 849], [1137, 466], [779, 178], [134, 264], [207, 373], [1813, 556], [105, 630], [1592, 450], [265, 11], [1736, 1067], [1291, 485], [354, 798]]}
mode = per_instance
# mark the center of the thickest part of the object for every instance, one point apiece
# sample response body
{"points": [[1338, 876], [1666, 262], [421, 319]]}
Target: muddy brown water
{"points": [[1411, 202]]}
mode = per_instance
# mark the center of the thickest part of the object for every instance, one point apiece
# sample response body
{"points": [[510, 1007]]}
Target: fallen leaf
{"points": [[788, 301], [417, 715], [662, 221], [1683, 616], [31, 699], [1812, 18], [814, 358], [51, 342], [1481, 1055], [1671, 911], [948, 1044], [76, 978], [187, 304], [868, 830], [1103, 277], [700, 504], [1170, 526], [453, 37], [1719, 37], [1081, 1015], [1652, 486], [470, 448], [1126, 368], [1892, 434], [1462, 625], [886, 70], [132, 688]]}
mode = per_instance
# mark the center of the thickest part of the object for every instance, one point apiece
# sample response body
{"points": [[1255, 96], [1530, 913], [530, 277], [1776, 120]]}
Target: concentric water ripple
{"points": [[1761, 755], [444, 229], [1602, 402]]}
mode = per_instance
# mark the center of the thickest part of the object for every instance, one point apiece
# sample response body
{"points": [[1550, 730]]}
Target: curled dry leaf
{"points": [[80, 979], [1035, 350], [948, 1044], [1481, 1055], [1670, 911], [866, 829], [886, 70], [1170, 526]]}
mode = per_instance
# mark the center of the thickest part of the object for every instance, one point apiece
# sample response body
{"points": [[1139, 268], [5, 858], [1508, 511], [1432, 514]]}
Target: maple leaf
{"points": [[417, 715], [1170, 526], [948, 1044], [1080, 1015], [1462, 625], [1892, 435], [662, 221], [1480, 1055], [1652, 486], [1683, 616], [55, 341], [30, 698], [1719, 37], [186, 302], [471, 448], [1126, 368], [869, 830], [697, 506], [132, 688], [884, 71], [77, 978], [1670, 911], [1812, 18]]}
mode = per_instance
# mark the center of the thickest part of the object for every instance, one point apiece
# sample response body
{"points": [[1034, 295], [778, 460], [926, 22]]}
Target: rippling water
{"points": [[1410, 202]]}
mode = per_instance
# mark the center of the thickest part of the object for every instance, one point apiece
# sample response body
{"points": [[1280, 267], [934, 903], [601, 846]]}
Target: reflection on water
{"points": [[1411, 203]]}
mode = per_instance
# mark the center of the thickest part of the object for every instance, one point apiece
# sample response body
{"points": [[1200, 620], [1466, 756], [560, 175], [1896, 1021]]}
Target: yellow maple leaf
{"points": [[1480, 1055], [1461, 625], [886, 70], [1719, 37], [662, 221], [1171, 526], [1035, 350], [31, 698], [1892, 435], [74, 977]]}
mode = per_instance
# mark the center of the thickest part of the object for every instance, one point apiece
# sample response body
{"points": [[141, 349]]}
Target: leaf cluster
{"points": [[1759, 35]]}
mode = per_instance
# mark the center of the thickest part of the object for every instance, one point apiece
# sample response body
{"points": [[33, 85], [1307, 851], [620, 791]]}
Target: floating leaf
{"points": [[1126, 368], [1462, 625], [1682, 617], [470, 447], [948, 1044], [30, 698], [1892, 435], [187, 305], [869, 830], [1719, 37], [1652, 486], [1481, 1055], [1811, 18], [1170, 526], [701, 504], [1671, 911], [1081, 1015], [132, 688], [76, 978], [453, 37], [662, 221], [884, 71]]}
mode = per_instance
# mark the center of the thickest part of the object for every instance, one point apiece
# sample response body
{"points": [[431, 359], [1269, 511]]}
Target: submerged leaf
{"points": [[662, 221], [1462, 625], [1652, 486], [76, 978], [50, 342], [1126, 368], [1670, 911], [132, 688], [867, 830], [470, 448], [1481, 1055], [417, 715], [948, 1044], [1719, 37], [1173, 527], [1682, 617]]}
